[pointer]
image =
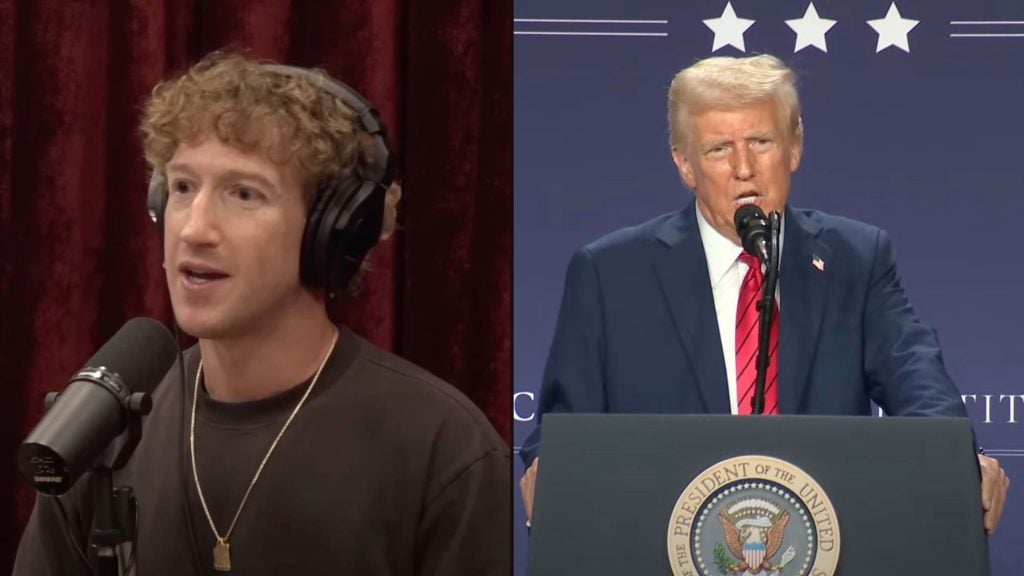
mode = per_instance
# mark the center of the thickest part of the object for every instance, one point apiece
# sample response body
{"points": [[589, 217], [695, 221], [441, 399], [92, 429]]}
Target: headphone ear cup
{"points": [[312, 260], [156, 198], [356, 233], [343, 226]]}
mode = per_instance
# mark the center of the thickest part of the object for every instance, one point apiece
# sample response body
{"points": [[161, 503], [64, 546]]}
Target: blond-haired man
{"points": [[653, 316]]}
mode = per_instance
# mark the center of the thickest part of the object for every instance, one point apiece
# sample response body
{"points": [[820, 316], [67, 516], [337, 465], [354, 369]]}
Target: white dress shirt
{"points": [[726, 272]]}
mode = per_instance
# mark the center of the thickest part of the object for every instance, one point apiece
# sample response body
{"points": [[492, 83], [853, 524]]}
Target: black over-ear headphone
{"points": [[348, 212]]}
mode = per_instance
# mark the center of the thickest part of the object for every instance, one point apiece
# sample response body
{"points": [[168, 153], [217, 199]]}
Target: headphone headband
{"points": [[377, 167]]}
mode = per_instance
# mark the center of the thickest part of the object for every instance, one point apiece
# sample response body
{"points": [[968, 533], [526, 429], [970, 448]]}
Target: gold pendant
{"points": [[222, 556]]}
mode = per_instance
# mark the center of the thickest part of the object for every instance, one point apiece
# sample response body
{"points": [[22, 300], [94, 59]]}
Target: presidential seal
{"points": [[753, 516]]}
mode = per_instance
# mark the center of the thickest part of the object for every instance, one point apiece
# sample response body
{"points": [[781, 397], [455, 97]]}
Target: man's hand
{"points": [[994, 484], [529, 479]]}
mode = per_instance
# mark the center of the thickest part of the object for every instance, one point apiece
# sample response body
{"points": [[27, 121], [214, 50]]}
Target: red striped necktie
{"points": [[746, 342]]}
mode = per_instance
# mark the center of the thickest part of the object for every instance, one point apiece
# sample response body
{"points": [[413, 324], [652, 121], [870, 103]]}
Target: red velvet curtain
{"points": [[79, 257]]}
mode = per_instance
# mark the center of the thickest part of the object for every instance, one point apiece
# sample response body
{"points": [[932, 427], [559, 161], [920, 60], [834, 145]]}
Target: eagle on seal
{"points": [[755, 544]]}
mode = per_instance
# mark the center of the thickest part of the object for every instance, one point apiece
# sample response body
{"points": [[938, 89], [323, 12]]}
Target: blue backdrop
{"points": [[917, 128]]}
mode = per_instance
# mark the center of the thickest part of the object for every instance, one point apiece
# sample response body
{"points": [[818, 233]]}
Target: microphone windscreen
{"points": [[746, 215], [141, 353]]}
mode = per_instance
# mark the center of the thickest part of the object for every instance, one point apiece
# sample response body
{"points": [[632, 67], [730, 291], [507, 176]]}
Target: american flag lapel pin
{"points": [[818, 263]]}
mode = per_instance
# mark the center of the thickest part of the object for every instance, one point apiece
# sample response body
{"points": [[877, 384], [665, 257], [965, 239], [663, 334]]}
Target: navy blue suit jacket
{"points": [[637, 331]]}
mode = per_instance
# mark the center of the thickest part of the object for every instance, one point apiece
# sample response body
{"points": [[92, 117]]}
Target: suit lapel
{"points": [[803, 284], [682, 271]]}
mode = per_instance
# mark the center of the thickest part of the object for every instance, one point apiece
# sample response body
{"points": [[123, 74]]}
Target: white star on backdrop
{"points": [[810, 30], [893, 29], [728, 29]]}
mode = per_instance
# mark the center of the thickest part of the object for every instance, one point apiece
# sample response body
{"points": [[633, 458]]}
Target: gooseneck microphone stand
{"points": [[766, 314]]}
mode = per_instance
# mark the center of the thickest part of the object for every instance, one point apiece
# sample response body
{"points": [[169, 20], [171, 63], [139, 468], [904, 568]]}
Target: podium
{"points": [[702, 495]]}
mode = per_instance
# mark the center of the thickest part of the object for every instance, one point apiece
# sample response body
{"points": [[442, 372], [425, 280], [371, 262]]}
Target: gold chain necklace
{"points": [[222, 550]]}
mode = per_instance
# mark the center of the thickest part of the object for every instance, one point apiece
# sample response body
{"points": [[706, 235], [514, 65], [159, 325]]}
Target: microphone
{"points": [[752, 227], [97, 406]]}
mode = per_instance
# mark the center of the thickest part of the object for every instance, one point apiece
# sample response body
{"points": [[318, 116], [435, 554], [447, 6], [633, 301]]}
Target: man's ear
{"points": [[685, 168], [796, 151]]}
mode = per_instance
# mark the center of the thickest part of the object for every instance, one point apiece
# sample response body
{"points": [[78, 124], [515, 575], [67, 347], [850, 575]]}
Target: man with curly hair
{"points": [[291, 446]]}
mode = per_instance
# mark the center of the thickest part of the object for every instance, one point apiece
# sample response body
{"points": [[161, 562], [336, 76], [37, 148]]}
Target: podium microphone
{"points": [[760, 237], [97, 406], [752, 227]]}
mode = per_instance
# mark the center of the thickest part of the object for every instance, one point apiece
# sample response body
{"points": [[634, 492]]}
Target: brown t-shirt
{"points": [[386, 470]]}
